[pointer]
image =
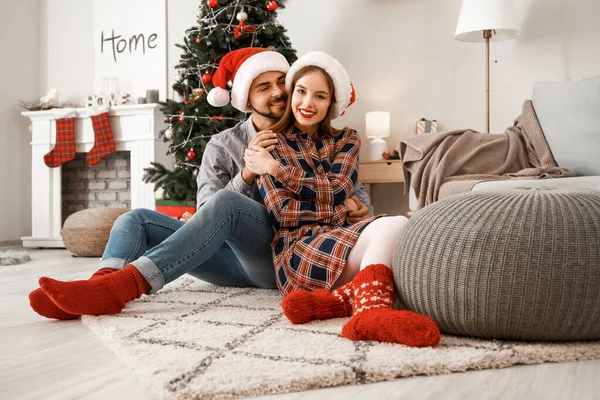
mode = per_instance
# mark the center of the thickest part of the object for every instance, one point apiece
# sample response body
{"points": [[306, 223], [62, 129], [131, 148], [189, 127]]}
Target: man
{"points": [[228, 240]]}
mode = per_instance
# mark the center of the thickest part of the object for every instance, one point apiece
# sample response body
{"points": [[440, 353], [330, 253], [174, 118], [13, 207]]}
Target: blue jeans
{"points": [[227, 242]]}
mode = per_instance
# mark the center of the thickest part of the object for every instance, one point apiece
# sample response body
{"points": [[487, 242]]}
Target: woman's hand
{"points": [[259, 161], [266, 139], [186, 216]]}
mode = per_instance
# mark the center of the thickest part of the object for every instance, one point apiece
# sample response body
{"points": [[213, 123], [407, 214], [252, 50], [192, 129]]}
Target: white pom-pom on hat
{"points": [[218, 97]]}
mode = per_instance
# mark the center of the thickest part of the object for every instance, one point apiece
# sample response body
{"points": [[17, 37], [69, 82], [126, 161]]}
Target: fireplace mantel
{"points": [[135, 129]]}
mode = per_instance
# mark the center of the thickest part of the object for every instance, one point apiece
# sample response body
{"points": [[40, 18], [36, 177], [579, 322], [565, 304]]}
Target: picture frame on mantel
{"points": [[130, 44]]}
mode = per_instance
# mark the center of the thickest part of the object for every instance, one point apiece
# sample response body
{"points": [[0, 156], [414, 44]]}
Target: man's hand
{"points": [[350, 205], [266, 139], [361, 212]]}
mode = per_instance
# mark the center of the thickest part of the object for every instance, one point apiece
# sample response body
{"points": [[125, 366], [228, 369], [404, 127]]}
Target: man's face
{"points": [[267, 96]]}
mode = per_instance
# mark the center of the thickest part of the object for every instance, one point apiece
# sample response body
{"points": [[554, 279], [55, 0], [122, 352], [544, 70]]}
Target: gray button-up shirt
{"points": [[223, 161]]}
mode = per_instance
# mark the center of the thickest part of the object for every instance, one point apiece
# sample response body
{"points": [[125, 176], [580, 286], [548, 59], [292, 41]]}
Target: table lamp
{"points": [[378, 127], [478, 21]]}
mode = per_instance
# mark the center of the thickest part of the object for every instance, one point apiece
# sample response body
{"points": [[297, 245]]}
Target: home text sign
{"points": [[130, 39]]}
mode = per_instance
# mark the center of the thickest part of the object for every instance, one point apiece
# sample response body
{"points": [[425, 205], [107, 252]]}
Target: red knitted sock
{"points": [[302, 306], [103, 295], [373, 317], [41, 303]]}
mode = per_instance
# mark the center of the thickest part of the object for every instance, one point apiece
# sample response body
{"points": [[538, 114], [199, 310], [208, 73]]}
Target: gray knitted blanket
{"points": [[465, 155]]}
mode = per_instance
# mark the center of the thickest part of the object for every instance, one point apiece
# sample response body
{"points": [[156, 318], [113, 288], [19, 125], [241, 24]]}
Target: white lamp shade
{"points": [[479, 15], [378, 124]]}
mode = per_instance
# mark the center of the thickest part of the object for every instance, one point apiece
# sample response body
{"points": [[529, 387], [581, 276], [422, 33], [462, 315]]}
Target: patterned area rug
{"points": [[195, 340]]}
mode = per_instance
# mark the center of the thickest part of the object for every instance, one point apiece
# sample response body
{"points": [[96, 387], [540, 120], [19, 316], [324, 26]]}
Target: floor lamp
{"points": [[479, 21]]}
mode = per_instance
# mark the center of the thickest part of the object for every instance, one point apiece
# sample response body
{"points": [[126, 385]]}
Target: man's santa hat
{"points": [[344, 91], [241, 67]]}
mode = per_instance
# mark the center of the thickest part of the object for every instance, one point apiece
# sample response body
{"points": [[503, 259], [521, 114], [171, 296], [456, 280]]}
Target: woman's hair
{"points": [[287, 120]]}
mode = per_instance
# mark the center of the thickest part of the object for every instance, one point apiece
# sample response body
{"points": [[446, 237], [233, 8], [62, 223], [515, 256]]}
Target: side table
{"points": [[381, 171]]}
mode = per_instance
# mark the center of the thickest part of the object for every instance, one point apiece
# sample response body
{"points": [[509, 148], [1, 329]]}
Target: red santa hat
{"points": [[241, 67], [344, 91]]}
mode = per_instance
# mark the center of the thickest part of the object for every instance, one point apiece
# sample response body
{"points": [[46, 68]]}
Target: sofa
{"points": [[569, 115]]}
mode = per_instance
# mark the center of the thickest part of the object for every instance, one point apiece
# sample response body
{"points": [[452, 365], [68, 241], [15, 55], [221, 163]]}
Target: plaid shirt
{"points": [[305, 200]]}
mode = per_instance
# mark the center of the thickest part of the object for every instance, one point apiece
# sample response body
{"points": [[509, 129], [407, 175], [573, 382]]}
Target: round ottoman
{"points": [[520, 264], [85, 233]]}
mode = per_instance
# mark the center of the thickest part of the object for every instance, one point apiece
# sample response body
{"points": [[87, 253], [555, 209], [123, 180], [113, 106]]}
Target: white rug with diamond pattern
{"points": [[195, 340]]}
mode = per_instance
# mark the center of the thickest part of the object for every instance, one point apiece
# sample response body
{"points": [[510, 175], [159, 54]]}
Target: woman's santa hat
{"points": [[241, 67], [344, 91]]}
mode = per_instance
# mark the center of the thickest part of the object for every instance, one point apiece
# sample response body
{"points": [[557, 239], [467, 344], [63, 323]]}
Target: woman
{"points": [[306, 183]]}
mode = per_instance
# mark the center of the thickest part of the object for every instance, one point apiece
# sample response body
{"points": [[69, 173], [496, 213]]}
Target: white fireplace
{"points": [[135, 129]]}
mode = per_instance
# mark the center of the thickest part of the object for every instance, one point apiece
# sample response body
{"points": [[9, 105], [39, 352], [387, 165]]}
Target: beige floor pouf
{"points": [[522, 264], [85, 233]]}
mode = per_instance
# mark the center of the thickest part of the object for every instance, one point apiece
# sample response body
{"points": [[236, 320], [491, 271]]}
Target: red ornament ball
{"points": [[272, 6], [206, 78], [197, 39], [191, 154], [212, 3]]}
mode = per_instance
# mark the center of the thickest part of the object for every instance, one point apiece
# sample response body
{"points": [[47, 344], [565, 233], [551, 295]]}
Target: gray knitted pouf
{"points": [[522, 264], [85, 233]]}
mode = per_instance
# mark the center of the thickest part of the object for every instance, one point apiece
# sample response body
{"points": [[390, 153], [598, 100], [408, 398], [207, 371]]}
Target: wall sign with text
{"points": [[130, 39]]}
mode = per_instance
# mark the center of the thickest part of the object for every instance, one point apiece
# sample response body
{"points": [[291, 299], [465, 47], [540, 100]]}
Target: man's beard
{"points": [[268, 114]]}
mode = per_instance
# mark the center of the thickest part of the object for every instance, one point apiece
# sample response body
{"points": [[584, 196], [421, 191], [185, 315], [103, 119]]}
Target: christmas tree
{"points": [[222, 26]]}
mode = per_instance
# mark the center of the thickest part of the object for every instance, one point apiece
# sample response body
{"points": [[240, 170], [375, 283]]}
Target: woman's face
{"points": [[310, 101]]}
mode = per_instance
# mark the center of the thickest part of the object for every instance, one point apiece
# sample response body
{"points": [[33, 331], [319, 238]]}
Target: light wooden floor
{"points": [[43, 359]]}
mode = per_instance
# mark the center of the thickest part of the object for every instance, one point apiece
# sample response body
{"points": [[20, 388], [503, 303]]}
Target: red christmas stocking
{"points": [[103, 137], [64, 148]]}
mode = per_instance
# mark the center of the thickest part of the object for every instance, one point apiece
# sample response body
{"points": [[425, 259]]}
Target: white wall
{"points": [[181, 15], [19, 49], [402, 57], [67, 48], [400, 54]]}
